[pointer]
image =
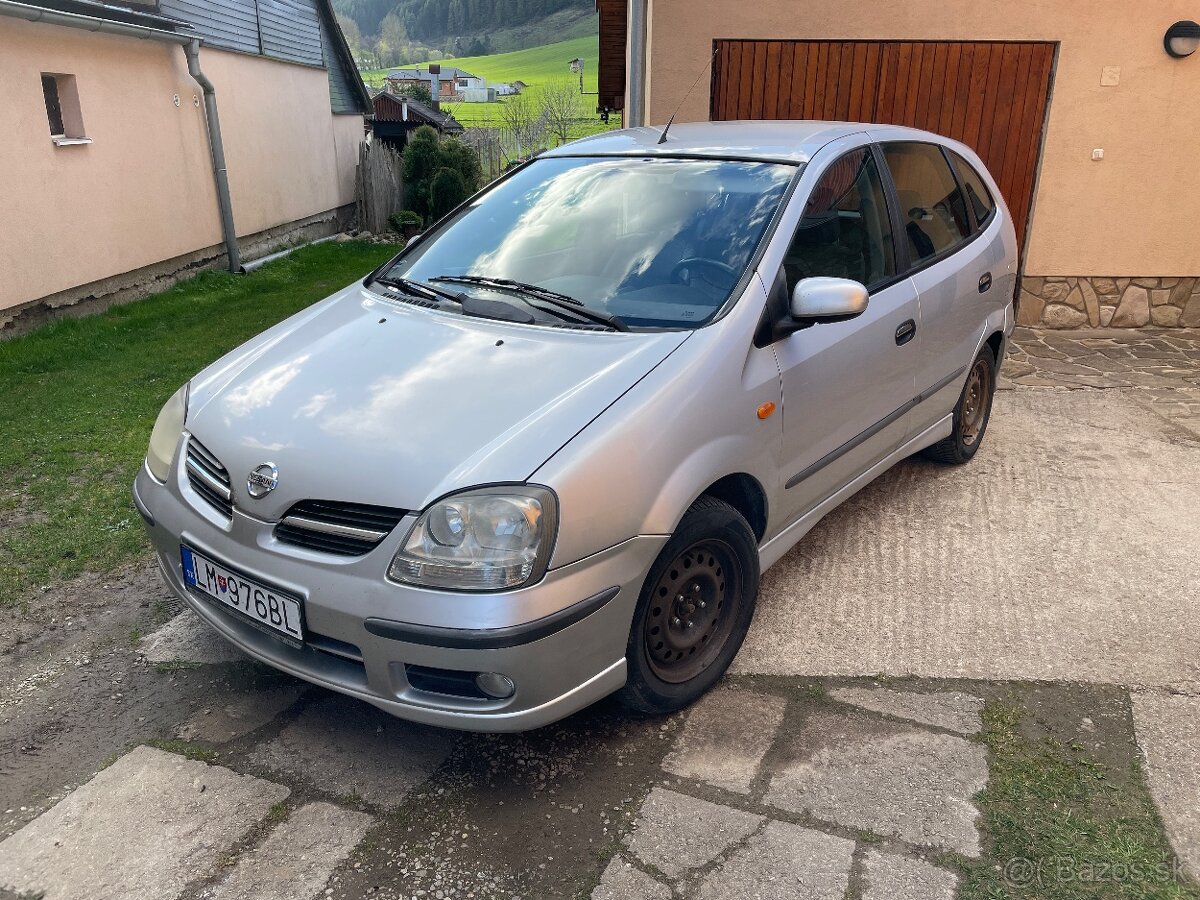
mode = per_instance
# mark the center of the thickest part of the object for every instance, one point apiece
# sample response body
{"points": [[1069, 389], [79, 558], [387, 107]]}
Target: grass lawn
{"points": [[1066, 813], [537, 67], [80, 397]]}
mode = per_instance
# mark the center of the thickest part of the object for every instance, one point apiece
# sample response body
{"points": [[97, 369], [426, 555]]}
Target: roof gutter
{"points": [[191, 50]]}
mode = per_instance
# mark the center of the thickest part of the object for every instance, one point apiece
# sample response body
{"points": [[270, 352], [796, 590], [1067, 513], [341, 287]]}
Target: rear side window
{"points": [[931, 205], [978, 195], [845, 231]]}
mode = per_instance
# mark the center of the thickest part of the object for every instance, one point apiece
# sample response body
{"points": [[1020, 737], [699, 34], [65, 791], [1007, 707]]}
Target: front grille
{"points": [[209, 478], [346, 529]]}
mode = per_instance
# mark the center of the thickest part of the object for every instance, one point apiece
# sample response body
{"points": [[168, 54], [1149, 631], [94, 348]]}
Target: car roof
{"points": [[775, 141]]}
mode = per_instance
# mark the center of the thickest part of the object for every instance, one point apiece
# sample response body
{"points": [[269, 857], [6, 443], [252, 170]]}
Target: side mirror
{"points": [[817, 300]]}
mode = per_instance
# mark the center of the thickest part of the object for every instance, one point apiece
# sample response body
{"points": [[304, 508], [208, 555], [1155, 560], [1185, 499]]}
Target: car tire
{"points": [[694, 610], [971, 413]]}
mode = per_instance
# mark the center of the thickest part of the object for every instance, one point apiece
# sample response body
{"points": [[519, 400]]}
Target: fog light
{"points": [[493, 684]]}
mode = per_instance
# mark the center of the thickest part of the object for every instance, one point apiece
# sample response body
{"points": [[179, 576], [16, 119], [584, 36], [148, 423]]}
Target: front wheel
{"points": [[694, 610], [971, 414]]}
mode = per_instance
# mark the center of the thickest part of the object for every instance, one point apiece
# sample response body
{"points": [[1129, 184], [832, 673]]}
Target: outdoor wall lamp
{"points": [[1182, 39]]}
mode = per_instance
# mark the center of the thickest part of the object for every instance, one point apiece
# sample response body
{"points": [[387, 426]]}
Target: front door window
{"points": [[845, 231]]}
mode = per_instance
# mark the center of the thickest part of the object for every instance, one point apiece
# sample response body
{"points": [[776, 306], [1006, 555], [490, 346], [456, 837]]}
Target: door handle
{"points": [[905, 333], [985, 282]]}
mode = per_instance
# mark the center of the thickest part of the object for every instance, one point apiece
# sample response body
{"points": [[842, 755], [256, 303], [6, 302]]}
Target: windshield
{"points": [[653, 242]]}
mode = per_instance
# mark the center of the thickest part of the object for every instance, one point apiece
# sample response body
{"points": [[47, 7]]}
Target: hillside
{"points": [[488, 25], [537, 67]]}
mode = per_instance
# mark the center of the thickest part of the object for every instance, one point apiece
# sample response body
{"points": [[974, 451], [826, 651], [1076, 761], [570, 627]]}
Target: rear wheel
{"points": [[694, 610], [971, 414]]}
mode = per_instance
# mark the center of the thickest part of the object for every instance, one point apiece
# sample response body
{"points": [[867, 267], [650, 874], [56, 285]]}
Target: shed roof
{"points": [[416, 109]]}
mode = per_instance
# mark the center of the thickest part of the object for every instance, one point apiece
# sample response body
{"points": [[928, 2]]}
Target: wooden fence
{"points": [[378, 186]]}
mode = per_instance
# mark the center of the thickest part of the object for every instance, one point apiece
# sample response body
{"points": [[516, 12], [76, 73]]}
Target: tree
{"points": [[418, 92], [522, 125], [352, 33], [393, 33], [561, 108]]}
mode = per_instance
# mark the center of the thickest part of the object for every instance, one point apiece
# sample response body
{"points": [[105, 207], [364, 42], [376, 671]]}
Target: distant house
{"points": [[451, 81], [396, 117], [507, 88], [140, 142]]}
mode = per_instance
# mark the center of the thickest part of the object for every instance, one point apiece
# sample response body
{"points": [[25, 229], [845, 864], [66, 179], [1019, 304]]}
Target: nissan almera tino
{"points": [[545, 453]]}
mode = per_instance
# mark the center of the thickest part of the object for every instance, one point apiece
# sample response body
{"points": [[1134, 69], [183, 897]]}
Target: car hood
{"points": [[365, 400]]}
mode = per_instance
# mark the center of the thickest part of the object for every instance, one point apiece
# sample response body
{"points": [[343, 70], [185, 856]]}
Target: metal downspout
{"points": [[192, 51], [635, 109], [191, 48]]}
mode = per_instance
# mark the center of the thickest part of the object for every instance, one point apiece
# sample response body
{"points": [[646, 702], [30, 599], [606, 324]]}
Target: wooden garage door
{"points": [[991, 96]]}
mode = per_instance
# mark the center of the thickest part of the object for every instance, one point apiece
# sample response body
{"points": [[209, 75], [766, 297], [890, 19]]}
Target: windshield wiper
{"points": [[419, 288], [562, 301]]}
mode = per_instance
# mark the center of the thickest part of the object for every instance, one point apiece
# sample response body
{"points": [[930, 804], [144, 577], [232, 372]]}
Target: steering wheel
{"points": [[693, 261]]}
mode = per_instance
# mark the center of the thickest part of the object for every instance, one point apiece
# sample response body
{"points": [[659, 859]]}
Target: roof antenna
{"points": [[662, 138]]}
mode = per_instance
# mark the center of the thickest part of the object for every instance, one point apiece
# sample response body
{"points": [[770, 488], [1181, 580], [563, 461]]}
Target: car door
{"points": [[951, 271], [847, 386]]}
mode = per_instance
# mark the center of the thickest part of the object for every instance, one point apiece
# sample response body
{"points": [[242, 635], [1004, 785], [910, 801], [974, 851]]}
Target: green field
{"points": [[537, 67]]}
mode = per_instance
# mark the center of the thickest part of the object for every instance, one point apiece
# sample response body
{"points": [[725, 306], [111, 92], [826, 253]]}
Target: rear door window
{"points": [[978, 195], [932, 210]]}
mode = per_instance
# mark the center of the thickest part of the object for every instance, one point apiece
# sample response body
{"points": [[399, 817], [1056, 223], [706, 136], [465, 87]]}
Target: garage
{"points": [[991, 95], [1085, 113]]}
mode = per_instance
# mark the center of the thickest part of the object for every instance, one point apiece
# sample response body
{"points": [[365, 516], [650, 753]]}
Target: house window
{"points": [[62, 109]]}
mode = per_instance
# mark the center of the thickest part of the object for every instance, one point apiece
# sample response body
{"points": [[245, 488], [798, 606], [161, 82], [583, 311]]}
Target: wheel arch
{"points": [[996, 342], [744, 493]]}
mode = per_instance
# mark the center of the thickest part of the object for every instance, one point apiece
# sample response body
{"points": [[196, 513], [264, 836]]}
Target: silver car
{"points": [[546, 452]]}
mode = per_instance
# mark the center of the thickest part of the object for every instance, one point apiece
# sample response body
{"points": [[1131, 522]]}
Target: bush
{"points": [[461, 157], [446, 191], [405, 221], [452, 164]]}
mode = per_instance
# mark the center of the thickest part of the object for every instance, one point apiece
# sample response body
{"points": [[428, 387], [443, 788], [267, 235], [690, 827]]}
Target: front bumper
{"points": [[562, 641]]}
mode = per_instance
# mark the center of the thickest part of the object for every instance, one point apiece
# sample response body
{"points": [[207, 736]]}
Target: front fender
{"points": [[637, 468]]}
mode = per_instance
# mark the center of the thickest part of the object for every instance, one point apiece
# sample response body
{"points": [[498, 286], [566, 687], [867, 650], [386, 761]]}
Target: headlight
{"points": [[489, 539], [165, 436]]}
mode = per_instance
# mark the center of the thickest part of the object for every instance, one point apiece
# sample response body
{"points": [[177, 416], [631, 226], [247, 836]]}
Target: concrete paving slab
{"points": [[675, 832], [247, 713], [888, 778], [1059, 553], [139, 830], [187, 639], [1168, 733], [725, 738], [343, 746], [783, 862], [952, 710], [621, 881], [297, 858], [889, 876]]}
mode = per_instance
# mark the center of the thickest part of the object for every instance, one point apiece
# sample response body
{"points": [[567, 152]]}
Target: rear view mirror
{"points": [[818, 300]]}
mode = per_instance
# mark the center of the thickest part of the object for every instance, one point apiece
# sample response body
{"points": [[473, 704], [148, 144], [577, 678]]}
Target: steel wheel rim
{"points": [[975, 401], [691, 611]]}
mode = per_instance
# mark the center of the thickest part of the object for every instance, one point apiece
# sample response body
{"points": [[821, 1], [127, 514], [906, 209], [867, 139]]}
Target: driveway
{"points": [[866, 744]]}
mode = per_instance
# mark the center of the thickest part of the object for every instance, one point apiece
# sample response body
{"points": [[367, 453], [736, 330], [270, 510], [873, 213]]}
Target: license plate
{"points": [[263, 605]]}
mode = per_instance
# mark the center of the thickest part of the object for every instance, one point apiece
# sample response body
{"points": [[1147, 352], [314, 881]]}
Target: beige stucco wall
{"points": [[1127, 215], [142, 191]]}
